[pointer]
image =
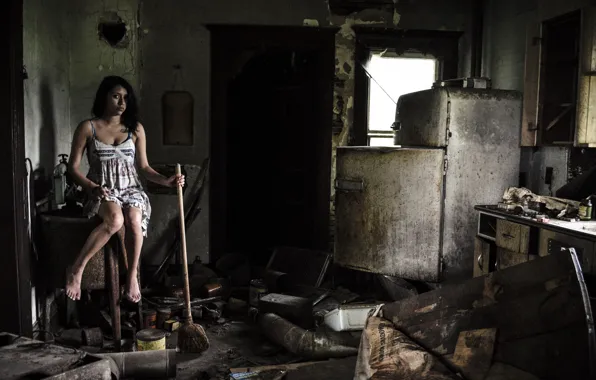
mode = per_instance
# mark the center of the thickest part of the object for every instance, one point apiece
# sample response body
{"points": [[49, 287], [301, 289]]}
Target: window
{"points": [[391, 76]]}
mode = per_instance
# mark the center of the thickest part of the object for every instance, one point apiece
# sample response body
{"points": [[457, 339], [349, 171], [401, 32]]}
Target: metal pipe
{"points": [[156, 364], [477, 36], [308, 344]]}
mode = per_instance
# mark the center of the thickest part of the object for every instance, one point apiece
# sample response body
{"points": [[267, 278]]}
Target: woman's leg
{"points": [[134, 243], [112, 219]]}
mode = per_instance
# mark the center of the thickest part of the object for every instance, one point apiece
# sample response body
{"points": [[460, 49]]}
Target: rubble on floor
{"points": [[524, 322]]}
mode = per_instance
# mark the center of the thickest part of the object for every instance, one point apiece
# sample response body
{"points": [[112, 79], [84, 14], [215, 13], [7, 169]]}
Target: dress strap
{"points": [[92, 127]]}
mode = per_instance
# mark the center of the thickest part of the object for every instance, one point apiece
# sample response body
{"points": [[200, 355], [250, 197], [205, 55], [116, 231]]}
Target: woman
{"points": [[115, 141]]}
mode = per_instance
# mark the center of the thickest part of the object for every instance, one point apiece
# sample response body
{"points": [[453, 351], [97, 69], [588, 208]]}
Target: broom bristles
{"points": [[192, 338]]}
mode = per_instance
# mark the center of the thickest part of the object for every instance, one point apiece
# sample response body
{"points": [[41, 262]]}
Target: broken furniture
{"points": [[541, 310], [504, 239], [406, 211], [24, 358], [302, 267], [62, 238]]}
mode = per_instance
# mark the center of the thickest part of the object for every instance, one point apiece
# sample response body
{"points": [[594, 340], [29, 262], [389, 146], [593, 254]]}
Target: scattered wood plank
{"points": [[537, 308]]}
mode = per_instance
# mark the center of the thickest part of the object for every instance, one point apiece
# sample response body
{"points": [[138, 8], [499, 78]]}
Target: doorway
{"points": [[270, 139]]}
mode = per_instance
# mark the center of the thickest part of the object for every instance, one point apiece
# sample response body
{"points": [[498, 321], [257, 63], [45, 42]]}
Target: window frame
{"points": [[379, 133], [441, 45]]}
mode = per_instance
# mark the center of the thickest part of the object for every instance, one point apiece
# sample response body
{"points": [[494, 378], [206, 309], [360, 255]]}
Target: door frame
{"points": [[15, 280], [232, 41]]}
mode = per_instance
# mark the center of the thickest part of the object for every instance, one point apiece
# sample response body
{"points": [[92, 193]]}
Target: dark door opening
{"points": [[271, 140]]}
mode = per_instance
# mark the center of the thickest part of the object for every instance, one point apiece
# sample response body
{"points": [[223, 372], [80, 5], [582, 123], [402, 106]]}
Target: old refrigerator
{"points": [[408, 210]]}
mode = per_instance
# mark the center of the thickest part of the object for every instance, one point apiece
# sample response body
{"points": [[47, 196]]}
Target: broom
{"points": [[191, 336]]}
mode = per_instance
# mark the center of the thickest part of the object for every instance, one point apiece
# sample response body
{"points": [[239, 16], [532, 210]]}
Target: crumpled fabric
{"points": [[559, 206]]}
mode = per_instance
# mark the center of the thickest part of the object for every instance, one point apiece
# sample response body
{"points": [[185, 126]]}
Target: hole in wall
{"points": [[113, 30]]}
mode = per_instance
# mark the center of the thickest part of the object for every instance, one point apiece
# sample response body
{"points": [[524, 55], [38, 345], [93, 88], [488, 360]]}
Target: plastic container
{"points": [[349, 317]]}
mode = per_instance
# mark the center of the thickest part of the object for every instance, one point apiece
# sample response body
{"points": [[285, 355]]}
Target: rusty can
{"points": [[150, 340], [256, 291], [162, 316], [149, 318]]}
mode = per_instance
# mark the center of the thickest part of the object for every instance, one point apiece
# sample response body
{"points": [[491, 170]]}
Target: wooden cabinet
{"points": [[559, 106], [482, 257], [586, 100], [513, 241], [502, 242], [513, 237], [529, 132], [551, 241]]}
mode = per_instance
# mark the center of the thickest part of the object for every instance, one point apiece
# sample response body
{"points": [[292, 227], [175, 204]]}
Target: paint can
{"points": [[151, 340], [149, 318], [256, 291], [162, 316]]}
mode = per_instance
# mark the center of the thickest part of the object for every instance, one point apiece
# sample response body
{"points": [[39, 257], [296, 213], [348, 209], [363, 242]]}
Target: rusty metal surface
{"points": [[24, 358], [393, 226], [480, 130], [483, 161], [422, 118]]}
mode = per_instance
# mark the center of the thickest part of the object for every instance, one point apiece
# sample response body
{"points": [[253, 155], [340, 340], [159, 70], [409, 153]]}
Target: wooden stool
{"points": [[63, 238]]}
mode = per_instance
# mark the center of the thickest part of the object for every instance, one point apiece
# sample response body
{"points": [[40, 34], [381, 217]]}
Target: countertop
{"points": [[580, 229]]}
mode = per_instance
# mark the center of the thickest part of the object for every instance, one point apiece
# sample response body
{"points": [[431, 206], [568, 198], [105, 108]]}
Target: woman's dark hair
{"points": [[130, 116]]}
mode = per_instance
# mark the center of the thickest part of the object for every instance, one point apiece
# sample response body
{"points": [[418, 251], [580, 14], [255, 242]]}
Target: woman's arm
{"points": [[82, 133], [148, 172]]}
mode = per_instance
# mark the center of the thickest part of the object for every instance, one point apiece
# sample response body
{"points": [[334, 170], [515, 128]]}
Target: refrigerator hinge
{"points": [[445, 165], [448, 123]]}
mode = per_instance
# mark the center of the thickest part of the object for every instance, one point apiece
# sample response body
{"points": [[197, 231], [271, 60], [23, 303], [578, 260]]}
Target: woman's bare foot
{"points": [[73, 284], [133, 293]]}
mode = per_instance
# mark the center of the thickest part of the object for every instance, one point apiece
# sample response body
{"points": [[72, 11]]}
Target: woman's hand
{"points": [[175, 180], [99, 192]]}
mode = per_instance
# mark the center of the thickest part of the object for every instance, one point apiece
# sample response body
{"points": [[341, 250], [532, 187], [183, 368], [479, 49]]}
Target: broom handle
{"points": [[183, 246]]}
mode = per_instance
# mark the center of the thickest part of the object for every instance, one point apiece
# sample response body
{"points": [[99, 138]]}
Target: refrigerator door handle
{"points": [[349, 185]]}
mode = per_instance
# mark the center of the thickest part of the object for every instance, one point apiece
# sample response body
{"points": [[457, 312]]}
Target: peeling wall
{"points": [[46, 91], [92, 58], [503, 61], [47, 114], [66, 60]]}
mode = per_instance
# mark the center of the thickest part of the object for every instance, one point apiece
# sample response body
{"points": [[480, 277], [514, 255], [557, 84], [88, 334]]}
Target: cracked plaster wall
{"points": [[92, 58], [46, 91]]}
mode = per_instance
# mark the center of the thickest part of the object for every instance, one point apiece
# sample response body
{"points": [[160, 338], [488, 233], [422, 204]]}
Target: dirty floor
{"points": [[239, 344]]}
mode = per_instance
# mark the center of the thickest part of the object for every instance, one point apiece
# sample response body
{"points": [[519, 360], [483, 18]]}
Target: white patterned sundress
{"points": [[113, 167]]}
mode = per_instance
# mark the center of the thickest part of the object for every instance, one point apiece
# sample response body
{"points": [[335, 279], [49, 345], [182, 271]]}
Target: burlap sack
{"points": [[387, 353]]}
